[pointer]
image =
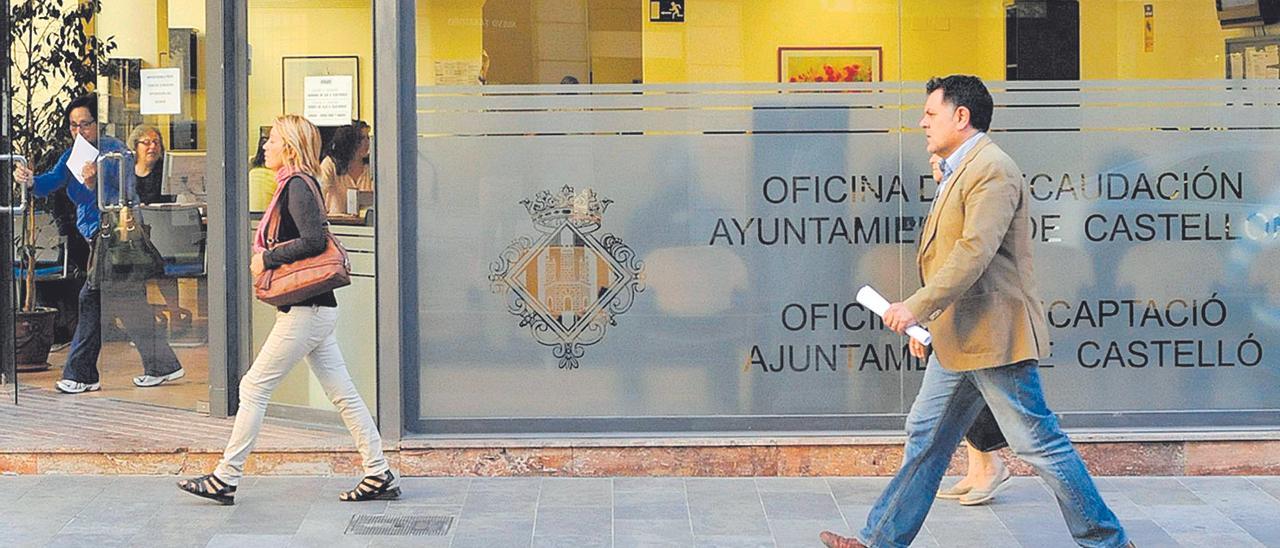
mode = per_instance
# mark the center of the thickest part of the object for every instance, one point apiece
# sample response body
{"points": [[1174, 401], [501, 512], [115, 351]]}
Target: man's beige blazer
{"points": [[979, 297]]}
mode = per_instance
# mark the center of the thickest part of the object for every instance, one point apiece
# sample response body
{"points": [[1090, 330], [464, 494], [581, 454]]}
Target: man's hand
{"points": [[917, 348], [935, 164], [899, 318], [23, 175], [90, 175], [256, 266]]}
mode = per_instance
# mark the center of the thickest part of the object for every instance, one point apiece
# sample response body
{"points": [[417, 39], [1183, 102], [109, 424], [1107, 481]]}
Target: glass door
{"points": [[104, 266], [149, 253]]}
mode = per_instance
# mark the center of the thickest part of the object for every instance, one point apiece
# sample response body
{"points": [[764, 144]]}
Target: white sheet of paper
{"points": [[875, 302], [81, 153]]}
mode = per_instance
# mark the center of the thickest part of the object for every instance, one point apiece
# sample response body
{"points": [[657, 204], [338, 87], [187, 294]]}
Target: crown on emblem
{"points": [[584, 210]]}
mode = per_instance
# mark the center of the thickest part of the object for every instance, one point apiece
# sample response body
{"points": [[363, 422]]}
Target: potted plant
{"points": [[55, 57]]}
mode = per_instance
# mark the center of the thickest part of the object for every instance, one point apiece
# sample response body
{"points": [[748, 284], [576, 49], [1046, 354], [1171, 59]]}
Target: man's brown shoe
{"points": [[833, 540]]}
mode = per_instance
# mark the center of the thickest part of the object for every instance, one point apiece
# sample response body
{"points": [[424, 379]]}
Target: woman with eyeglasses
{"points": [[148, 149]]}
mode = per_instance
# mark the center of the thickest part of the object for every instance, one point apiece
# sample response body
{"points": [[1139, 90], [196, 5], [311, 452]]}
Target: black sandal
{"points": [[379, 487], [210, 487]]}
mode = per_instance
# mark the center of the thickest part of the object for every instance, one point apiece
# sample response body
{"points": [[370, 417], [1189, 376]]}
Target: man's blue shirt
{"points": [[87, 214], [951, 163]]}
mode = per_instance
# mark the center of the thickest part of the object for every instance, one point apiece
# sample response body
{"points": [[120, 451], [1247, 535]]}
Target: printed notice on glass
{"points": [[161, 91], [327, 100], [457, 73]]}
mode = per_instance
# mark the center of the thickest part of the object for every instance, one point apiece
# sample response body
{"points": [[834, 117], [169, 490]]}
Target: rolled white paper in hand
{"points": [[872, 299]]}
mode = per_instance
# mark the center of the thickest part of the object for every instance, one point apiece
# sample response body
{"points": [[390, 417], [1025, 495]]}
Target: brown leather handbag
{"points": [[294, 282]]}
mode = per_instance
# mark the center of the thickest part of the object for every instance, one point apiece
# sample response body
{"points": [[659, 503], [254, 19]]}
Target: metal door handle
{"points": [[26, 191], [120, 174]]}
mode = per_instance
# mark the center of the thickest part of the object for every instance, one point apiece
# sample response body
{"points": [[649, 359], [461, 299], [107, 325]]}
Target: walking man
{"points": [[980, 303]]}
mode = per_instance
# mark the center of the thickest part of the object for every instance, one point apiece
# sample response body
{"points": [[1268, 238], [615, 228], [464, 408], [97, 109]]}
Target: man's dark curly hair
{"points": [[346, 140], [959, 90]]}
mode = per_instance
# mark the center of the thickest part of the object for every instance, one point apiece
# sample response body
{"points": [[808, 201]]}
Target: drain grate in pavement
{"points": [[417, 526]]}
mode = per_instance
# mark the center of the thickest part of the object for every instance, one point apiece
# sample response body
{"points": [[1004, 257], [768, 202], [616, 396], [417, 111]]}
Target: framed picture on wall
{"points": [[324, 89], [829, 64]]}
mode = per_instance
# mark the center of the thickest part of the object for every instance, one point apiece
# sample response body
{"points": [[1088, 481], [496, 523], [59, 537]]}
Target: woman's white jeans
{"points": [[303, 331]]}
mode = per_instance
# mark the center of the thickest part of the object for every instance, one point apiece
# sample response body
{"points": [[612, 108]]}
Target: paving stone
{"points": [[572, 541], [1238, 540], [1032, 526], [1193, 520], [103, 538], [1266, 529], [1154, 491], [650, 505], [573, 521], [1271, 485], [729, 521], [623, 485], [857, 491], [576, 492], [1144, 533], [433, 490], [629, 532], [733, 541], [855, 514], [497, 504], [1235, 497], [488, 534], [803, 532], [792, 485], [236, 540], [408, 542], [800, 506]]}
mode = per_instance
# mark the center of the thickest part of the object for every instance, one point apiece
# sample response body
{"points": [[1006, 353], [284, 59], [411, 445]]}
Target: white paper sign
{"points": [[327, 100], [161, 91], [81, 153]]}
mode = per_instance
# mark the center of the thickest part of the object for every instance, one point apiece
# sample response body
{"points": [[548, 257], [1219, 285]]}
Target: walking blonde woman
{"points": [[305, 329]]}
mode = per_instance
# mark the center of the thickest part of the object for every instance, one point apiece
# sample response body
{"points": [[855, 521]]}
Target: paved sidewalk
{"points": [[582, 512]]}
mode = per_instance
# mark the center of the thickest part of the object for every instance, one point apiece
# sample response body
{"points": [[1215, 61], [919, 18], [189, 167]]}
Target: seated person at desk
{"points": [[262, 181], [148, 148], [344, 167]]}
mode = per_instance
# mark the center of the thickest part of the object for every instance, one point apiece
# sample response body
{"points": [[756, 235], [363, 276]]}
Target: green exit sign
{"points": [[666, 11]]}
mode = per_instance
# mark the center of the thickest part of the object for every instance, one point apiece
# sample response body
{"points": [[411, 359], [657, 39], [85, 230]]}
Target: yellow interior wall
{"points": [[1188, 43], [132, 25], [287, 28], [448, 30], [738, 40]]}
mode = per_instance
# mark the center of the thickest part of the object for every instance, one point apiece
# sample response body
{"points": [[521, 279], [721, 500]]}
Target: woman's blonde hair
{"points": [[301, 142]]}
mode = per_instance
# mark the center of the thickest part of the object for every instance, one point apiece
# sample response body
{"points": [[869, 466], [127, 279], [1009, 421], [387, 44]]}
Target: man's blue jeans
{"points": [[945, 407]]}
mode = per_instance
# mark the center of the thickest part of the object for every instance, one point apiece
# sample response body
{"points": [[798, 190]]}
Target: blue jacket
{"points": [[87, 214]]}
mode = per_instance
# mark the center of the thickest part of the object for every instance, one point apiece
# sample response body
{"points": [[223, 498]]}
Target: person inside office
{"points": [[344, 171], [80, 374]]}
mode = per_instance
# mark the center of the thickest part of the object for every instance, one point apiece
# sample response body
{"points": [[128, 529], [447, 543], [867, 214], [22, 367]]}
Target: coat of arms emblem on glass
{"points": [[569, 285]]}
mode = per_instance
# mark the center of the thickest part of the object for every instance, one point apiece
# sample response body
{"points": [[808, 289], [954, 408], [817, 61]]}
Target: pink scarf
{"points": [[282, 177]]}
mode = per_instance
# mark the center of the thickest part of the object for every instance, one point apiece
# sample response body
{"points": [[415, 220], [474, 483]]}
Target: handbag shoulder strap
{"points": [[273, 224]]}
